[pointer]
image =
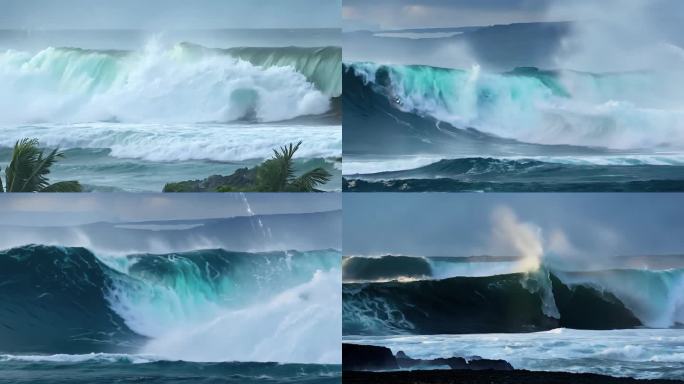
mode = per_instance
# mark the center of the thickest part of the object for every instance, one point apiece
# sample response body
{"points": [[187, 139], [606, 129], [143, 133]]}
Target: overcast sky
{"points": [[462, 224], [74, 209], [400, 14], [168, 14]]}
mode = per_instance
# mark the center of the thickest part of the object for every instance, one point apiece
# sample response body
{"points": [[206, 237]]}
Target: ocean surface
{"points": [[135, 110], [120, 368], [617, 316], [412, 124], [69, 314]]}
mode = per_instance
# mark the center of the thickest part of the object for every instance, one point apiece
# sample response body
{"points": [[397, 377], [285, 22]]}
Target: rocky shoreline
{"points": [[368, 364]]}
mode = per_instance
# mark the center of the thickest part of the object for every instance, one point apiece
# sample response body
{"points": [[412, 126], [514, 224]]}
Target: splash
{"points": [[524, 238], [156, 85]]}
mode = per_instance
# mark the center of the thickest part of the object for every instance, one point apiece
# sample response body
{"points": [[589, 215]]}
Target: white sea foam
{"points": [[609, 110], [180, 142], [641, 353], [156, 84], [300, 325]]}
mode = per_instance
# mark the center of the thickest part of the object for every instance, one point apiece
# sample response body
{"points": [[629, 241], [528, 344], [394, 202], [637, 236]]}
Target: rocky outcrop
{"points": [[472, 363], [242, 178], [357, 357]]}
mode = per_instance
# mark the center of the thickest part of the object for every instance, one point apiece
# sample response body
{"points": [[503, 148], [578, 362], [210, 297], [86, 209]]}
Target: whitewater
{"points": [[643, 353], [170, 111], [199, 306], [609, 110], [603, 317], [422, 128]]}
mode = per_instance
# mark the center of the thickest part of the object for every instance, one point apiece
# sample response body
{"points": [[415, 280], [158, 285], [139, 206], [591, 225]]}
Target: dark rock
{"points": [[242, 178], [458, 363], [488, 377], [357, 357], [482, 364]]}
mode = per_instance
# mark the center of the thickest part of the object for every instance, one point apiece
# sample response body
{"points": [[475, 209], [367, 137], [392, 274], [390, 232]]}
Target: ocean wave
{"points": [[180, 84], [178, 306], [534, 106], [179, 142], [541, 173], [514, 302], [369, 165]]}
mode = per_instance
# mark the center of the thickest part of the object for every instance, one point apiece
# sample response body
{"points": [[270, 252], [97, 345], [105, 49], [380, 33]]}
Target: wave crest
{"points": [[163, 85]]}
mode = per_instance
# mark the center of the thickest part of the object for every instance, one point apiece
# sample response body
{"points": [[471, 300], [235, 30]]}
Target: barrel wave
{"points": [[183, 83], [184, 306], [490, 297]]}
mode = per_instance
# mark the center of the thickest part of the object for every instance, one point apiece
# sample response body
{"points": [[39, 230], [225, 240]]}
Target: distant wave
{"points": [[360, 166], [569, 170], [187, 83], [209, 305], [527, 105]]}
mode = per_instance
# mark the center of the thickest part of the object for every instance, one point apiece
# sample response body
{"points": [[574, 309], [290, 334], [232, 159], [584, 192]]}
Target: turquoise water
{"points": [[144, 157]]}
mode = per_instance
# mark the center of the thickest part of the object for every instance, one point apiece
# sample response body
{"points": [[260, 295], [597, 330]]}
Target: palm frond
{"points": [[276, 173], [308, 181], [272, 176], [284, 156], [28, 168]]}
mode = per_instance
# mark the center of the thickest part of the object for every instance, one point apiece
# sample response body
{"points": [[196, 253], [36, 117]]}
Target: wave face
{"points": [[516, 302], [533, 106], [211, 305], [186, 83]]}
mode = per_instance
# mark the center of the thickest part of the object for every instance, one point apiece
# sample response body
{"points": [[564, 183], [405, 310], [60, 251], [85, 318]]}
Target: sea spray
{"points": [[278, 329], [524, 239], [251, 215]]}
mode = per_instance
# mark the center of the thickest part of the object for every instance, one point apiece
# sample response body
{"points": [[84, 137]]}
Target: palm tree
{"points": [[277, 174], [28, 169]]}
